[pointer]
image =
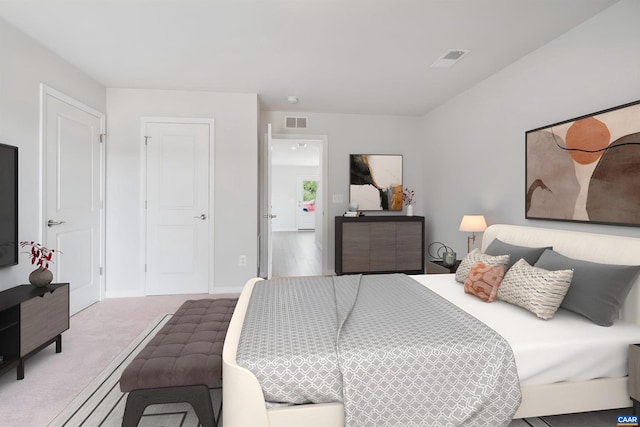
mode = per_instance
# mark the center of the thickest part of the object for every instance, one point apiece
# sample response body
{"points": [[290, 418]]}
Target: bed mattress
{"points": [[567, 347]]}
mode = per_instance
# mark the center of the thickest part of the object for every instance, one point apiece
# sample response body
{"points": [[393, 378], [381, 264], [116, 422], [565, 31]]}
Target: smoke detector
{"points": [[449, 58], [292, 99]]}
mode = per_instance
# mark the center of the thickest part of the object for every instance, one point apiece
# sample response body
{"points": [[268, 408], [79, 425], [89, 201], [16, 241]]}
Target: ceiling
{"points": [[293, 152], [337, 56]]}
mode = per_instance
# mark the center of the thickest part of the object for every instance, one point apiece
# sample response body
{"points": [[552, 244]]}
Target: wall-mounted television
{"points": [[8, 205]]}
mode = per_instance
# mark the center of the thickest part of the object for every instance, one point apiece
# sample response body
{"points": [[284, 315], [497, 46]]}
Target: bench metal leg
{"points": [[197, 396]]}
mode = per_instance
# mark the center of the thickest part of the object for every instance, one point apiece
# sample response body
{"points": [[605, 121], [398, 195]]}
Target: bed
{"points": [[567, 384]]}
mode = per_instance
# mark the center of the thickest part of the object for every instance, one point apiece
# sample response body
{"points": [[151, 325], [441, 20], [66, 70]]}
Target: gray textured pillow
{"points": [[475, 256], [538, 290], [531, 255], [597, 291]]}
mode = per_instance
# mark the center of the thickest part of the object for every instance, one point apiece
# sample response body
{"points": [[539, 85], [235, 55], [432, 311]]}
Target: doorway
{"points": [[295, 244], [178, 205], [72, 136]]}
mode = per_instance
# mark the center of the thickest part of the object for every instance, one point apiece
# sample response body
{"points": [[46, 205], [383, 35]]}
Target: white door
{"points": [[307, 187], [73, 189], [178, 214], [269, 215]]}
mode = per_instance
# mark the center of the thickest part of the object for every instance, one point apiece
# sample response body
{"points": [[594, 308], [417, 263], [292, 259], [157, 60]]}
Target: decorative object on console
{"points": [[40, 256], [407, 198], [442, 253], [472, 223], [41, 277], [597, 155], [376, 182], [449, 258]]}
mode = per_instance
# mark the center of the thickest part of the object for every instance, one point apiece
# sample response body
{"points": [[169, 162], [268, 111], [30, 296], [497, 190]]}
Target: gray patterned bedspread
{"points": [[395, 353]]}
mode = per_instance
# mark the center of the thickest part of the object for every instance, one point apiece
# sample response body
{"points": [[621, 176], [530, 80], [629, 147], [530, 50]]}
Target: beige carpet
{"points": [[102, 403]]}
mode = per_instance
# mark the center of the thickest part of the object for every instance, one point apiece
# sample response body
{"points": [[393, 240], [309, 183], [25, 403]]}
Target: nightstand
{"points": [[634, 376], [438, 267]]}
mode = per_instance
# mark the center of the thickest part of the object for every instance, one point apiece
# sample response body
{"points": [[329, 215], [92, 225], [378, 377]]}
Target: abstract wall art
{"points": [[586, 169], [375, 182]]}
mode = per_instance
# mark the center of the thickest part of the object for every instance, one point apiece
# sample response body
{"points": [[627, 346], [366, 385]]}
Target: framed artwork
{"points": [[586, 169], [375, 182]]}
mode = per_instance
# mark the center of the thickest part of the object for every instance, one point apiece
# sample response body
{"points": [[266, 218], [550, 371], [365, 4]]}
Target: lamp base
{"points": [[470, 239]]}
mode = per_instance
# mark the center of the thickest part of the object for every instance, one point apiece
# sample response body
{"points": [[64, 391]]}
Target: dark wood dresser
{"points": [[379, 244]]}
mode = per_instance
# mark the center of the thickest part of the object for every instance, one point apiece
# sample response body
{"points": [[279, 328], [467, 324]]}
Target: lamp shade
{"points": [[473, 223]]}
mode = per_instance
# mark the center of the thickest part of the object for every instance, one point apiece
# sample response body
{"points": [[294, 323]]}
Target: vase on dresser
{"points": [[41, 277], [409, 210]]}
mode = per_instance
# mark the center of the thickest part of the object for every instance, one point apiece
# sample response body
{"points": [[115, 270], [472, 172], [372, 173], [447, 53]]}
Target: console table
{"points": [[31, 319], [379, 244]]}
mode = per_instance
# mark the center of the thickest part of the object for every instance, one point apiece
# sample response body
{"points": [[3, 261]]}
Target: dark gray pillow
{"points": [[531, 255], [597, 291]]}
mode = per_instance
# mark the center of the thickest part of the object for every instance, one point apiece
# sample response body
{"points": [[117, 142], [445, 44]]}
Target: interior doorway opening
{"points": [[295, 203]]}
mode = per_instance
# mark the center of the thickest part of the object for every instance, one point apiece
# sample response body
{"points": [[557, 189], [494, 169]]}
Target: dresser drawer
{"points": [[42, 318]]}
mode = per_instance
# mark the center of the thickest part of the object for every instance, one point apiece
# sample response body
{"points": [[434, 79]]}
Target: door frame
{"points": [[45, 91], [143, 193], [323, 140]]}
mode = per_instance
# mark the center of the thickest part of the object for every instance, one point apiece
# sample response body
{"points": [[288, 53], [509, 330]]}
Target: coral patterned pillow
{"points": [[483, 281], [477, 256]]}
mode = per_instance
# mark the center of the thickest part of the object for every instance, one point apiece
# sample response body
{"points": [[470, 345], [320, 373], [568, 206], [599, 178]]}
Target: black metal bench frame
{"points": [[198, 396]]}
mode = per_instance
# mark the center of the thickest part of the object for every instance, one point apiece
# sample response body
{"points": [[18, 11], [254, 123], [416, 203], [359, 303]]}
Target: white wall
{"points": [[235, 179], [474, 144], [284, 194], [357, 134], [24, 64]]}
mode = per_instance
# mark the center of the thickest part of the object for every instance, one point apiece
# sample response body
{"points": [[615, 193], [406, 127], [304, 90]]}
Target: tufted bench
{"points": [[181, 362]]}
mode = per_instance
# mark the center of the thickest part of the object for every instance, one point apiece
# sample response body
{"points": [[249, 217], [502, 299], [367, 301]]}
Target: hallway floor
{"points": [[295, 254]]}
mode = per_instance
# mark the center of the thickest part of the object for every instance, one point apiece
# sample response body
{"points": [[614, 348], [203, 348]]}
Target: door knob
{"points": [[202, 217], [51, 223]]}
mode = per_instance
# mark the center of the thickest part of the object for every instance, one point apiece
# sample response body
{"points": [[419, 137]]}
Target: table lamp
{"points": [[472, 223]]}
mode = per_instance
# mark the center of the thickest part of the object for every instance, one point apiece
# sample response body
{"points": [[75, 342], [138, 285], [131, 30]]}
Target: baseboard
{"points": [[227, 290], [123, 294]]}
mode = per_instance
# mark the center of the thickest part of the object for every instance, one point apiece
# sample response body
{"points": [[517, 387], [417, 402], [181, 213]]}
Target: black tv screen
{"points": [[8, 205]]}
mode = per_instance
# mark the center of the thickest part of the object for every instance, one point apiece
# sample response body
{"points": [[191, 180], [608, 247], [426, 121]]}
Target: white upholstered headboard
{"points": [[602, 248]]}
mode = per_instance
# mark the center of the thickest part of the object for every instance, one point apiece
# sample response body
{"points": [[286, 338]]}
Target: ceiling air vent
{"points": [[449, 58], [291, 122]]}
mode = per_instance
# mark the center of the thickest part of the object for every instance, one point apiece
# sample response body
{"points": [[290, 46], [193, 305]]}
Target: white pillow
{"points": [[538, 290], [477, 256]]}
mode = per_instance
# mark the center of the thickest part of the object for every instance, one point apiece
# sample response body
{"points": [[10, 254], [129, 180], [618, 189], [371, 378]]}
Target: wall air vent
{"points": [[291, 122], [449, 58]]}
